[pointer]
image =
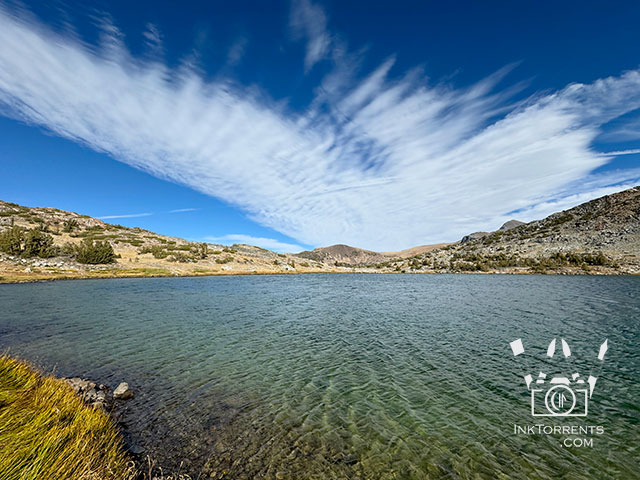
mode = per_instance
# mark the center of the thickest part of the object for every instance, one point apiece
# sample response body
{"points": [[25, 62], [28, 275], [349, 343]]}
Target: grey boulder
{"points": [[122, 392]]}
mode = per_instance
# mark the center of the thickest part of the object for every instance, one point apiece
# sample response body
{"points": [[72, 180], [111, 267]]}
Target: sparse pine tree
{"points": [[94, 253], [27, 243], [70, 225], [11, 240], [38, 244]]}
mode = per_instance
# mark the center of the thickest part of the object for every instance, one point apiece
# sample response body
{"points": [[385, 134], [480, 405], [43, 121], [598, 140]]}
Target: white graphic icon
{"points": [[560, 396]]}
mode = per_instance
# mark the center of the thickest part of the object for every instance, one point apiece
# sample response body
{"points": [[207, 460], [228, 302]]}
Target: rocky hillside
{"points": [[138, 252], [476, 235], [413, 251], [600, 236]]}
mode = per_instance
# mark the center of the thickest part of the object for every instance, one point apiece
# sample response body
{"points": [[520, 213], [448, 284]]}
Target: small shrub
{"points": [[226, 259], [182, 248], [181, 258], [156, 250], [202, 250], [560, 219], [67, 249]]}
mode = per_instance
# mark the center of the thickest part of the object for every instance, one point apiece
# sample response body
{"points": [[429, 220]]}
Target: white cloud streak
{"points": [[309, 22], [380, 163], [268, 243], [623, 152], [184, 210]]}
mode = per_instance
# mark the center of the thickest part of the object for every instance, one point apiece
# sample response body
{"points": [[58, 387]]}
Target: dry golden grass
{"points": [[48, 433]]}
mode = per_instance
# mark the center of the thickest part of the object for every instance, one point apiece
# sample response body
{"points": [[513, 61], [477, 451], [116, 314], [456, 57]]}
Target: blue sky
{"points": [[300, 124]]}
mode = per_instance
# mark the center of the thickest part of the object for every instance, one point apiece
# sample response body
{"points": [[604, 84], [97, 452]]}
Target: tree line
{"points": [[29, 243]]}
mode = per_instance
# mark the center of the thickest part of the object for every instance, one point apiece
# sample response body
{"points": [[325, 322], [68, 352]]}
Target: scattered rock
{"points": [[79, 385], [122, 392], [95, 396]]}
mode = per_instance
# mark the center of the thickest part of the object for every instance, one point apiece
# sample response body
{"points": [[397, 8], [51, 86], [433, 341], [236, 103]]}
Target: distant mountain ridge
{"points": [[600, 236], [343, 255]]}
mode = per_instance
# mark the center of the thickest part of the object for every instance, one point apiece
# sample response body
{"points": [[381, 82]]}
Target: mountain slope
{"points": [[600, 236], [139, 252], [343, 255], [347, 256], [506, 226], [413, 251]]}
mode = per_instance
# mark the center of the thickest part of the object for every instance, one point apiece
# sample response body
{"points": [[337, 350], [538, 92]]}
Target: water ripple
{"points": [[344, 376]]}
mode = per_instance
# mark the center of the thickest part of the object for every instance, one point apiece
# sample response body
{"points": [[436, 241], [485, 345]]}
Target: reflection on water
{"points": [[344, 376]]}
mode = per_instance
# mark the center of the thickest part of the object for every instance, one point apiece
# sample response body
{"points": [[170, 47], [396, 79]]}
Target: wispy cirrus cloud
{"points": [[237, 50], [383, 162], [309, 22], [633, 151], [268, 243], [184, 210], [126, 215]]}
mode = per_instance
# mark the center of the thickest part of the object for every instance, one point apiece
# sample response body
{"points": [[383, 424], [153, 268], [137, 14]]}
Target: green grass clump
{"points": [[47, 432]]}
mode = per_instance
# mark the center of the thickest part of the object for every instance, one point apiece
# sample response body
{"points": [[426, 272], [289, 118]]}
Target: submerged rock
{"points": [[136, 449], [122, 392]]}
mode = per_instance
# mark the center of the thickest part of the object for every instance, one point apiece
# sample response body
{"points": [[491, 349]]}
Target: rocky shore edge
{"points": [[99, 395], [47, 431]]}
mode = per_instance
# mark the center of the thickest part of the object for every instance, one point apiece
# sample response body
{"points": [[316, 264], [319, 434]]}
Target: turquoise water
{"points": [[346, 376]]}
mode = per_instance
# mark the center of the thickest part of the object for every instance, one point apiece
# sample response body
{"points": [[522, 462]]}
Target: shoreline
{"points": [[68, 437], [45, 279], [107, 451]]}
